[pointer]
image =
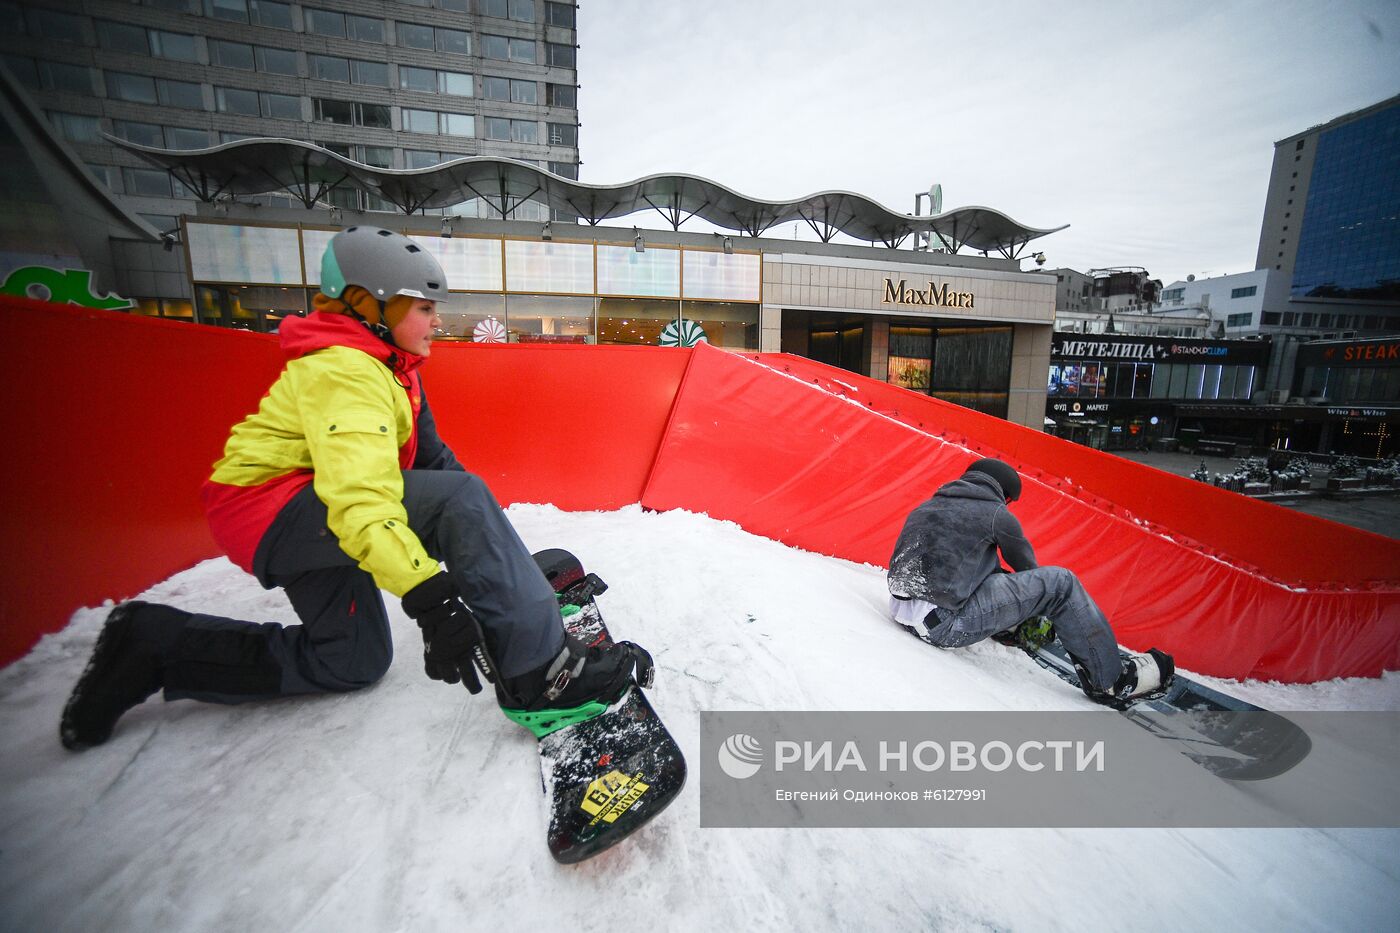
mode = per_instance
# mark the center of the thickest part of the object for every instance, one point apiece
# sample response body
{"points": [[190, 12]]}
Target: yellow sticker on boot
{"points": [[612, 795]]}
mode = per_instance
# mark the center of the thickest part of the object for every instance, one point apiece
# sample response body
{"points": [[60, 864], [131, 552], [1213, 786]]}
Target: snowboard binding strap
{"points": [[570, 663]]}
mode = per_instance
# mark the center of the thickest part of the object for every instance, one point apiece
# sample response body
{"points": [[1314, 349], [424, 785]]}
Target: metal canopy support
{"points": [[672, 211], [827, 230]]}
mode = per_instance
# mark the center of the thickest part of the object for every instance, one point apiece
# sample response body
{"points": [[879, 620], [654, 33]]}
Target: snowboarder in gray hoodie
{"points": [[947, 585]]}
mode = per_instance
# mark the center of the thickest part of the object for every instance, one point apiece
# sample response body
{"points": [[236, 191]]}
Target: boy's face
{"points": [[415, 332]]}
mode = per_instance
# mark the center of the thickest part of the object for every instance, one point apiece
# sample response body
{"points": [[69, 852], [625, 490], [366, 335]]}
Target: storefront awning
{"points": [[309, 172]]}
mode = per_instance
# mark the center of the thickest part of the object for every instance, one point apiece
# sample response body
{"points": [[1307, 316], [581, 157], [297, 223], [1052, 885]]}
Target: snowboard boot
{"points": [[577, 685], [1144, 676], [126, 667]]}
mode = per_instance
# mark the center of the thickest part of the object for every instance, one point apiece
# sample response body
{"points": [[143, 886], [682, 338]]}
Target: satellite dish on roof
{"points": [[1191, 278]]}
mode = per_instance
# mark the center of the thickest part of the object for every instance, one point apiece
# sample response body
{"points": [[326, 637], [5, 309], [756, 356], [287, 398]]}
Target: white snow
{"points": [[414, 806]]}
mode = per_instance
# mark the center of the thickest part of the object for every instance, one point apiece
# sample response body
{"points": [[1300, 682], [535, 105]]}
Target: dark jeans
{"points": [[343, 640], [1004, 600]]}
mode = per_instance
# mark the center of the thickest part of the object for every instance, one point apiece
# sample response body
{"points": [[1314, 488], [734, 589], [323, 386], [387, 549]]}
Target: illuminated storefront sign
{"points": [[933, 296]]}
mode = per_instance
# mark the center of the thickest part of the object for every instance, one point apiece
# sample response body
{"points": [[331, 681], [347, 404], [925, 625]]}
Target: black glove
{"points": [[453, 644]]}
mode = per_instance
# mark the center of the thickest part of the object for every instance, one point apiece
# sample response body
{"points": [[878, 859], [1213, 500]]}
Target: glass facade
{"points": [[502, 290], [1107, 380], [1351, 224]]}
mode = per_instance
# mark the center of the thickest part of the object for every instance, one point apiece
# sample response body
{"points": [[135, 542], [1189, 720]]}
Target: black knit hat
{"points": [[1006, 477]]}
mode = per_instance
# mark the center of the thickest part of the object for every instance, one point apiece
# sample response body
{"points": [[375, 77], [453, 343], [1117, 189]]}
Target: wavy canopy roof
{"points": [[308, 172]]}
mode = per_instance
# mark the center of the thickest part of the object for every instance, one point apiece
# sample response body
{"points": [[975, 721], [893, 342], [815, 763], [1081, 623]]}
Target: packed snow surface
{"points": [[414, 806]]}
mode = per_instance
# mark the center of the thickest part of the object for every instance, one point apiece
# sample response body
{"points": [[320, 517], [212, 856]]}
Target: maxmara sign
{"points": [[932, 295]]}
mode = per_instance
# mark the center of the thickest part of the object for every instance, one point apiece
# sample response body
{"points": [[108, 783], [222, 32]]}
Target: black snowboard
{"points": [[607, 777], [1225, 735], [1230, 738]]}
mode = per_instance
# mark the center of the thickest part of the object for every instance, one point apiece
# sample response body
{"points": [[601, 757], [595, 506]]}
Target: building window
{"points": [[324, 22], [334, 111], [522, 11], [276, 61], [175, 46], [420, 121], [372, 115], [500, 9], [420, 158], [237, 100], [564, 169], [562, 95], [231, 54], [563, 134], [78, 128], [506, 89], [119, 37], [182, 94], [365, 29], [1240, 320], [280, 106], [51, 24], [235, 11], [1299, 146], [148, 183], [453, 40], [326, 68], [377, 156], [458, 124], [559, 56], [414, 36], [136, 88], [145, 134], [179, 137], [505, 49], [369, 73], [1245, 292], [455, 83], [71, 79], [417, 79], [270, 13], [559, 14]]}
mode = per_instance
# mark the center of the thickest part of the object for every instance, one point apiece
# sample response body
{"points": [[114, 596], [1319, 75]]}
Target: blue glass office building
{"points": [[1349, 244], [1331, 232]]}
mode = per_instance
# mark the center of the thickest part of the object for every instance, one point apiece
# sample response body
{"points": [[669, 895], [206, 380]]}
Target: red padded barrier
{"points": [[576, 426], [117, 421], [1289, 546], [834, 477], [120, 418]]}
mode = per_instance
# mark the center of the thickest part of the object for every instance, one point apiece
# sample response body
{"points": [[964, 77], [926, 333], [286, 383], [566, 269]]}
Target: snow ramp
{"points": [[120, 418]]}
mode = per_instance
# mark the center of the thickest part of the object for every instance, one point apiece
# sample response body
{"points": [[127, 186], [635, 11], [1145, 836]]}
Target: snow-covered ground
{"points": [[414, 806]]}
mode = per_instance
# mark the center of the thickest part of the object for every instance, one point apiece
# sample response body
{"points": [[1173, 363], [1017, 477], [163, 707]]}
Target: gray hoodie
{"points": [[949, 543]]}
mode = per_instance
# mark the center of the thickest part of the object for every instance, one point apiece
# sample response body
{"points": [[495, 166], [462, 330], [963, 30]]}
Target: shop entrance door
{"points": [[839, 343]]}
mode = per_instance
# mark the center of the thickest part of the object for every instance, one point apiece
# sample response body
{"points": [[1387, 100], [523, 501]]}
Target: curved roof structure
{"points": [[308, 172]]}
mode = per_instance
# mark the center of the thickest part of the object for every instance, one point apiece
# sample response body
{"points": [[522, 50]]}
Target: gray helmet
{"points": [[382, 262]]}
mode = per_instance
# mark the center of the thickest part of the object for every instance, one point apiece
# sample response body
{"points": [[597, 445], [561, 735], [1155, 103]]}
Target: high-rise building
{"points": [[1331, 227], [398, 85]]}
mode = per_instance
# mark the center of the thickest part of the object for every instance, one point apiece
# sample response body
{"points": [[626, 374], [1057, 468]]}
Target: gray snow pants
{"points": [[343, 640], [1005, 600]]}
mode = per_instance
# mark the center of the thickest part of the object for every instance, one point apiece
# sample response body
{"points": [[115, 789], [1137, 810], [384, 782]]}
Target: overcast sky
{"points": [[1149, 127]]}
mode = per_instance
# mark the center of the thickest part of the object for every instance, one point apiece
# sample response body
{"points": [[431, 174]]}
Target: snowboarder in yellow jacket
{"points": [[336, 488]]}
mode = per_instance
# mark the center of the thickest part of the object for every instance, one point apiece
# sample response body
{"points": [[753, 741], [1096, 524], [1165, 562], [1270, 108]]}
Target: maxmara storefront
{"points": [[969, 329]]}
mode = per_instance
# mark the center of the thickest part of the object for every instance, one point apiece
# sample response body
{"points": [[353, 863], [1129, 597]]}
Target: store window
{"points": [[549, 318], [911, 357], [635, 320], [732, 325], [972, 368]]}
